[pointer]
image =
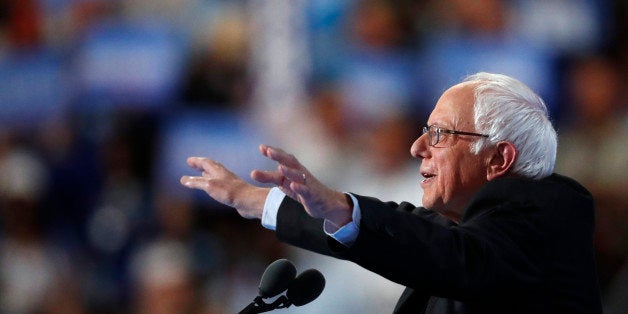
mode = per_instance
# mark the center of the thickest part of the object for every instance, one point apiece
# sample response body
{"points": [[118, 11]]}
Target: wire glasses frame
{"points": [[434, 132]]}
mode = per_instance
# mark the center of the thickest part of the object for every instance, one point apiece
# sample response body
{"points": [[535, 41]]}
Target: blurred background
{"points": [[101, 102]]}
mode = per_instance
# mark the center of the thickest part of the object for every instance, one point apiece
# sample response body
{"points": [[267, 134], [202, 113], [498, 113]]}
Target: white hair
{"points": [[508, 110]]}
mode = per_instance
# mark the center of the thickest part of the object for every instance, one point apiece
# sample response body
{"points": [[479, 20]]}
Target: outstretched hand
{"points": [[226, 187], [297, 182]]}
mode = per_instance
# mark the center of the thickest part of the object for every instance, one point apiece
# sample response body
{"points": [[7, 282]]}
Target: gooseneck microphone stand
{"points": [[259, 306]]}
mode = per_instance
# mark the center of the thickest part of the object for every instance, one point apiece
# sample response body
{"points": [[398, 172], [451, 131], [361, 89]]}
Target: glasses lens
{"points": [[428, 130], [433, 135]]}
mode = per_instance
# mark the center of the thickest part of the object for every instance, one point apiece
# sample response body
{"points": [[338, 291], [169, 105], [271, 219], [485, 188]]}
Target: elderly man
{"points": [[498, 233]]}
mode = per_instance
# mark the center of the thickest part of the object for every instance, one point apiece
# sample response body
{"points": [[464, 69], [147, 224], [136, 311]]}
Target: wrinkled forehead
{"points": [[454, 109]]}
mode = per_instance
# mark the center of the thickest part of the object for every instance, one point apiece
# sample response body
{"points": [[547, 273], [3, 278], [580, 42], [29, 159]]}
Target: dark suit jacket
{"points": [[522, 246]]}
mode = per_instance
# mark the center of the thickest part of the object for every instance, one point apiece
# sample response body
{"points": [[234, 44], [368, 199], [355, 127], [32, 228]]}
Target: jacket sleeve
{"points": [[297, 228], [497, 252], [487, 255]]}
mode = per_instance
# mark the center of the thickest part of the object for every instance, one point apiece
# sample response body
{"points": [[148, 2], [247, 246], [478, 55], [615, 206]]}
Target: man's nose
{"points": [[419, 148]]}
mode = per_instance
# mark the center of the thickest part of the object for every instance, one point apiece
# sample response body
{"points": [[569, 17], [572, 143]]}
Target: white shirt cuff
{"points": [[347, 234], [271, 208]]}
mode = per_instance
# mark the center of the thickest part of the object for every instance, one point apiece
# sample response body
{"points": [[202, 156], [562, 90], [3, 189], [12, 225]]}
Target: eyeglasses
{"points": [[434, 132]]}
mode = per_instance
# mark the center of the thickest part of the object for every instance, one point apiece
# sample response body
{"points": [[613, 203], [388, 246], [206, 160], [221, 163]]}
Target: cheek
{"points": [[442, 191], [451, 175], [447, 181]]}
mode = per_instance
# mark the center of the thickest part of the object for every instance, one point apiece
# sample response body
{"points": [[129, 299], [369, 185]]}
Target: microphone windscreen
{"points": [[276, 278], [306, 287]]}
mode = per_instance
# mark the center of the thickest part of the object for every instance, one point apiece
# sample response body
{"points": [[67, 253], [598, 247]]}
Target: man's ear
{"points": [[501, 161]]}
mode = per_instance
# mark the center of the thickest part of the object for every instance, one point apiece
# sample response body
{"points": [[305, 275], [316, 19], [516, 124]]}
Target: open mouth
{"points": [[427, 177]]}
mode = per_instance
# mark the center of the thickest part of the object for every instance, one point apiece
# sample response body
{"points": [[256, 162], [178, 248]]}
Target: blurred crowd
{"points": [[101, 102]]}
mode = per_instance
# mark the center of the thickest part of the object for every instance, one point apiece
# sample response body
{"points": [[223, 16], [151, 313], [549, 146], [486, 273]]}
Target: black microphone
{"points": [[277, 278], [306, 287]]}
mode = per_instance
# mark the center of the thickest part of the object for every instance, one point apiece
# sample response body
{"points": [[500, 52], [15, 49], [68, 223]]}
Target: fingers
{"points": [[194, 182], [294, 175], [273, 177], [284, 177], [203, 164], [296, 182], [195, 162], [280, 156], [210, 171], [289, 166], [264, 150]]}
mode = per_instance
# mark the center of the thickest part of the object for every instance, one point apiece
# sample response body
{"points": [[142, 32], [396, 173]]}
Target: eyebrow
{"points": [[442, 125], [454, 124]]}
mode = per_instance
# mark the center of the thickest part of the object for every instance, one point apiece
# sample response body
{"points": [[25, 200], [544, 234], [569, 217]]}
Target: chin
{"points": [[426, 203], [431, 206]]}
